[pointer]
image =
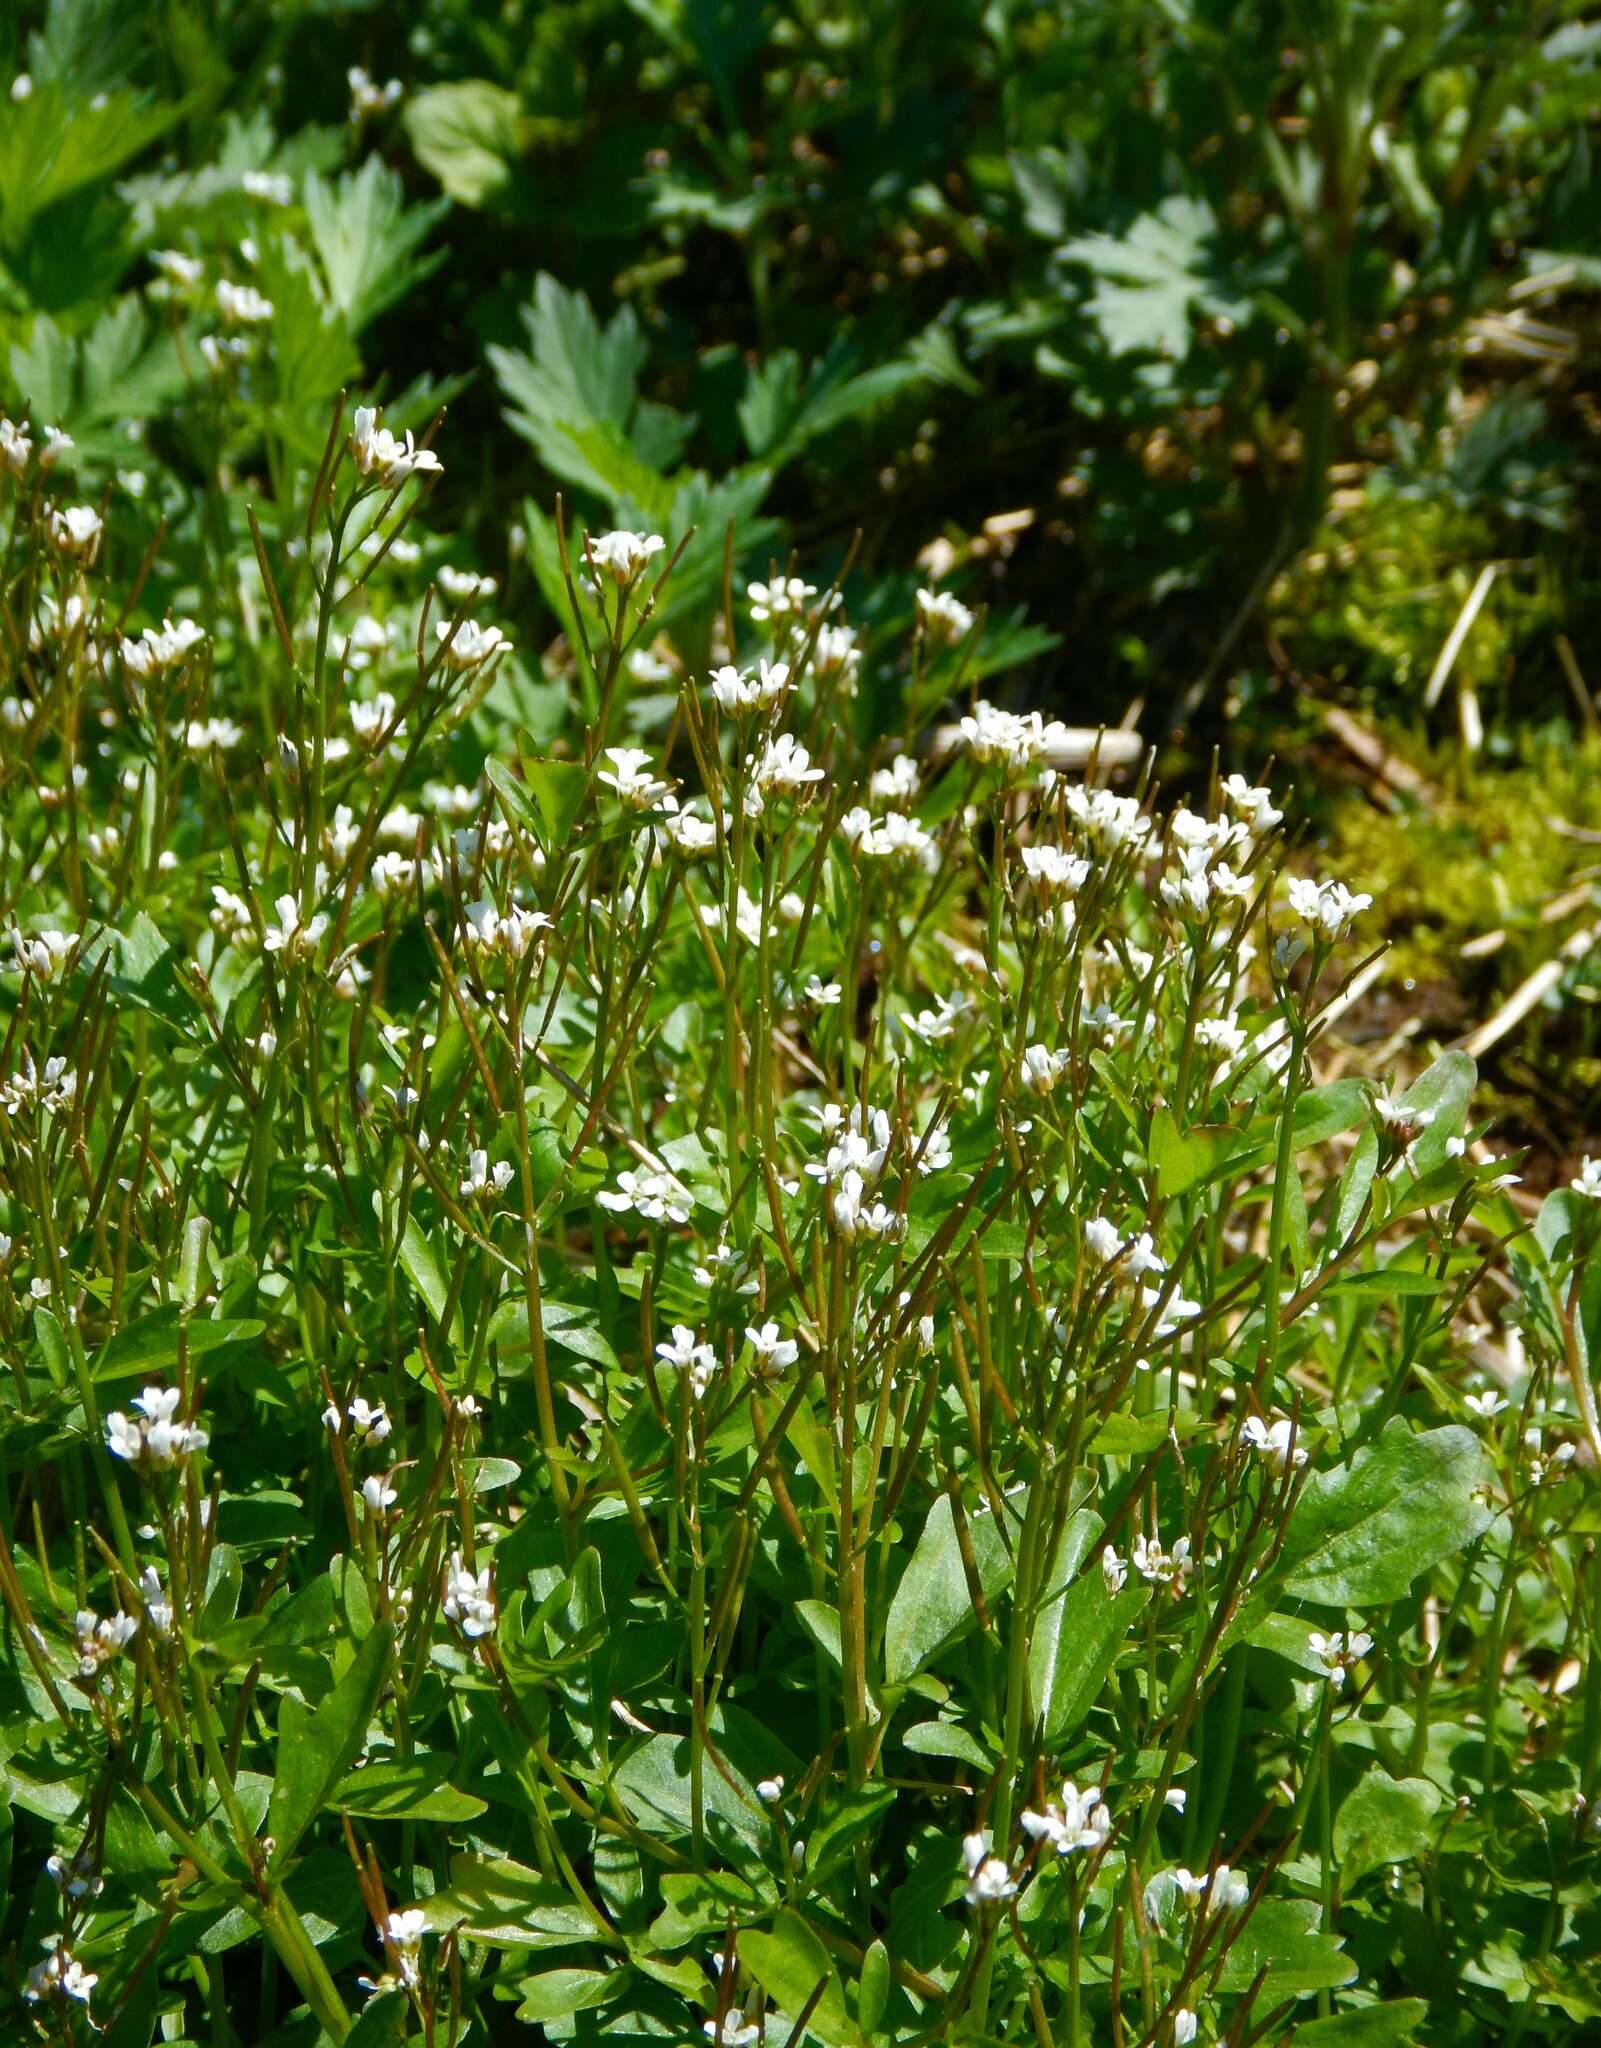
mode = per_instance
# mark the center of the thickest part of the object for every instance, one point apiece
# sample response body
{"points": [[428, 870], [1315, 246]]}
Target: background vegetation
{"points": [[605, 1571]]}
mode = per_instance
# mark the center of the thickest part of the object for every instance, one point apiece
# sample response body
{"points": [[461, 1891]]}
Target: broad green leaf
{"points": [[1389, 2025], [315, 1749], [933, 1606], [1383, 1820], [494, 1900], [416, 1787], [1088, 1633], [1359, 1536], [872, 1988], [559, 790], [383, 2022], [150, 1346], [1046, 1648], [1284, 1935], [556, 1992], [468, 134], [789, 1964], [1186, 1159], [1444, 1092], [422, 1268]]}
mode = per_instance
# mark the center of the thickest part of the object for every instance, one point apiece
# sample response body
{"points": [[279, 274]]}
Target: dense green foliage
{"points": [[706, 1330]]}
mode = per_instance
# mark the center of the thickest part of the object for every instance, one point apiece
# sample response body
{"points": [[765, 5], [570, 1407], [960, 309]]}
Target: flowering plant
{"points": [[778, 1390]]}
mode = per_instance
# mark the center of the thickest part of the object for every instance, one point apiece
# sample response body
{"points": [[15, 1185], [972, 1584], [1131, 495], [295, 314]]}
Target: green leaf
{"points": [[789, 1964], [468, 135], [555, 1992], [416, 1787], [1085, 1635], [384, 2022], [1188, 1159], [422, 1268], [872, 1988], [1360, 1536], [1444, 1091], [367, 238], [316, 1749], [494, 1900], [1283, 1934], [933, 1607], [558, 790], [150, 1346], [1383, 1820], [1389, 2025], [1153, 279]]}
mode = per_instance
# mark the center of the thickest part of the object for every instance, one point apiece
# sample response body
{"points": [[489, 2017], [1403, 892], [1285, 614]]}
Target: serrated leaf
{"points": [[367, 238]]}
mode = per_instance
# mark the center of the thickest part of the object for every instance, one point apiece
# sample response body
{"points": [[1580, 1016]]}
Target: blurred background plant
{"points": [[1219, 349]]}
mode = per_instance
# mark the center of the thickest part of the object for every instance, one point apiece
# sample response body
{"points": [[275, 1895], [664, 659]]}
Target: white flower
{"points": [[56, 446], [377, 1493], [736, 2032], [15, 446], [896, 784], [686, 1353], [367, 97], [1328, 907], [1273, 1442], [402, 1934], [1081, 1821], [158, 1608], [773, 1352], [737, 690], [1160, 1566], [1114, 1570], [1039, 1070], [156, 1439], [1587, 1181], [785, 767], [99, 1641], [835, 653], [461, 586], [77, 530], [289, 937], [1338, 1653], [60, 1975], [1254, 805], [988, 1879], [178, 269], [779, 600], [468, 1600], [42, 954], [200, 735], [627, 776], [823, 995], [622, 555], [241, 305], [1400, 1117], [1227, 1889], [378, 454], [483, 1180], [371, 722], [855, 1216], [1101, 1239], [770, 1790], [1221, 1035], [470, 645], [370, 1423], [161, 647], [943, 617], [1486, 1405], [276, 188], [1053, 872], [1184, 2026], [657, 1197]]}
